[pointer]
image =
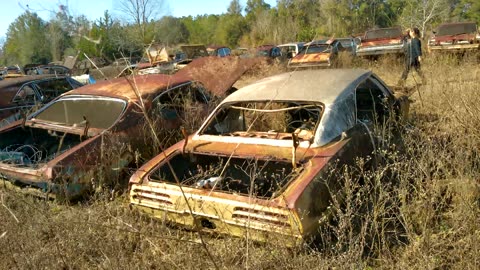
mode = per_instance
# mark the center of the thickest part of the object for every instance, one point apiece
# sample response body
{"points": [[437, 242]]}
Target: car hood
{"points": [[313, 57], [380, 42]]}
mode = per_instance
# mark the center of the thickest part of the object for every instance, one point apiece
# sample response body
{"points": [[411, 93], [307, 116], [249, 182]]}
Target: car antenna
{"points": [[87, 126], [185, 136], [24, 119], [294, 148]]}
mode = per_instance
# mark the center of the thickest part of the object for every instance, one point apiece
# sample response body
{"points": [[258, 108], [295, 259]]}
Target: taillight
{"points": [[149, 196], [263, 217]]}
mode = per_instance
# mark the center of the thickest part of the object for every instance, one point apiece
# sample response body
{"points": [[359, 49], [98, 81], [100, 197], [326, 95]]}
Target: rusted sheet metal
{"points": [[218, 74], [381, 42], [128, 87], [301, 176], [317, 58]]}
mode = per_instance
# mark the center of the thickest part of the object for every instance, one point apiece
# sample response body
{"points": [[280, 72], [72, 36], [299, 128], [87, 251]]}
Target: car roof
{"points": [[453, 23], [324, 85], [126, 87], [322, 42], [24, 79], [292, 44]]}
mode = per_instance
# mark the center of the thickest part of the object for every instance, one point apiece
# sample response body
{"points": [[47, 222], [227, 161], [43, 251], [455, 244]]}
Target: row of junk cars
{"points": [[266, 162], [455, 38]]}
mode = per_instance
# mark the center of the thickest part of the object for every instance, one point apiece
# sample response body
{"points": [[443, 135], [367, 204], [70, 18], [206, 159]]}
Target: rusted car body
{"points": [[266, 161], [60, 148], [24, 95], [455, 37], [320, 53], [382, 41]]}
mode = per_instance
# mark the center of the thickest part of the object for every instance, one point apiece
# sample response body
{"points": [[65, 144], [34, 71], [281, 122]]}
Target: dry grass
{"points": [[420, 209]]}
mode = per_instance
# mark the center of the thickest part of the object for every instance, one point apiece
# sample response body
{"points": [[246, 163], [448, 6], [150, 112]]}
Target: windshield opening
{"points": [[266, 118], [99, 112], [317, 48]]}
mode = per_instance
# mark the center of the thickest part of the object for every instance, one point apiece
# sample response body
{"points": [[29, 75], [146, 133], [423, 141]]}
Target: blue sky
{"points": [[93, 9]]}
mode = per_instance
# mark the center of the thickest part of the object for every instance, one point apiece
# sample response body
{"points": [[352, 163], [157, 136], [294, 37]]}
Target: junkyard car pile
{"points": [[59, 148], [260, 163]]}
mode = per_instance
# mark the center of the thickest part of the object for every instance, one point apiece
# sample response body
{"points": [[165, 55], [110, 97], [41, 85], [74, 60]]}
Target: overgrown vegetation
{"points": [[418, 209]]}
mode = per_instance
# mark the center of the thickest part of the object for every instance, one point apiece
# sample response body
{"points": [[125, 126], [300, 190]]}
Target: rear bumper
{"points": [[217, 215], [40, 181], [310, 64], [454, 48], [380, 50]]}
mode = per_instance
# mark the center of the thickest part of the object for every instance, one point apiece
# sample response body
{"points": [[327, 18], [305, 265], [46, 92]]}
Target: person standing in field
{"points": [[413, 56]]}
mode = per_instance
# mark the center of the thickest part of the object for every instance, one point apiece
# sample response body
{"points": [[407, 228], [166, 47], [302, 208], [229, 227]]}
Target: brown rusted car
{"points": [[319, 53], [93, 132], [23, 95], [382, 41], [262, 163]]}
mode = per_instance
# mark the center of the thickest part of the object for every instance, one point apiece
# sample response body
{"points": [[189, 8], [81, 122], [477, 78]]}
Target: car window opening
{"points": [[273, 120]]}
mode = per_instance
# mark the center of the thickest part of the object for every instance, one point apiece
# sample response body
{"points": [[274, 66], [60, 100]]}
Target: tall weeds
{"points": [[419, 208]]}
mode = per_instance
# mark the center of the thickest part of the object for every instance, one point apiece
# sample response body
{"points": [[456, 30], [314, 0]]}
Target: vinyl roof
{"points": [[321, 85]]}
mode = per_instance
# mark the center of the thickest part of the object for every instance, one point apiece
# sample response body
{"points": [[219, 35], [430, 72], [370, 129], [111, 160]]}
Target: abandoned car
{"points": [[382, 41], [455, 37], [319, 53], [289, 50], [261, 163], [100, 128], [23, 95]]}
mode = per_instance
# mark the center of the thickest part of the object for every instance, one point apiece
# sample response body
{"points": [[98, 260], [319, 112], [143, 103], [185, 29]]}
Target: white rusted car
{"points": [[261, 163]]}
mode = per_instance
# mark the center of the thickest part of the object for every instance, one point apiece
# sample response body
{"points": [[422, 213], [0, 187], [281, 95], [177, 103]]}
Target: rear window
{"points": [[318, 48], [456, 29], [100, 112]]}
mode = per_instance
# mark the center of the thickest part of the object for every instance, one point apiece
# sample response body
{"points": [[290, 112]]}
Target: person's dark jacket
{"points": [[414, 50]]}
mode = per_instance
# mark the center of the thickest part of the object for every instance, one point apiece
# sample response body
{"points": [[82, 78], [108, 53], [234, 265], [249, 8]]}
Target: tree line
{"points": [[30, 39]]}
